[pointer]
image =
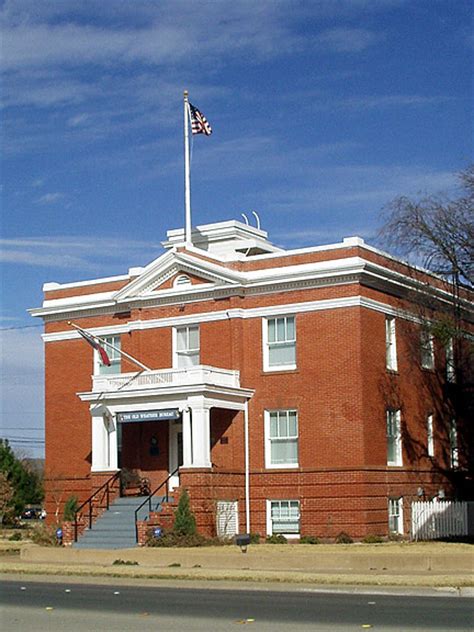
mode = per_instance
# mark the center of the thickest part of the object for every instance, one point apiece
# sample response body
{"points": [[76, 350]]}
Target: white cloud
{"points": [[22, 388], [50, 198], [79, 119], [88, 253], [386, 101], [348, 40]]}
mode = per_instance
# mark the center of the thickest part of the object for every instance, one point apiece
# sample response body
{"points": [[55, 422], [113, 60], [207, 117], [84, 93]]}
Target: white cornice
{"points": [[226, 282], [258, 312]]}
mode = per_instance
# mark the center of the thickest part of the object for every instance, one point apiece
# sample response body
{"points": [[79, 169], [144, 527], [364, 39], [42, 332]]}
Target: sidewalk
{"points": [[416, 565]]}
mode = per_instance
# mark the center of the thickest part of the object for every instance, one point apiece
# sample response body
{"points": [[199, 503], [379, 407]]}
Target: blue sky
{"points": [[322, 111]]}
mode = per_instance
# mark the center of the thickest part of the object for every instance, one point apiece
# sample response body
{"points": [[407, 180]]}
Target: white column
{"points": [[187, 438], [113, 449], [99, 448], [201, 433], [104, 443]]}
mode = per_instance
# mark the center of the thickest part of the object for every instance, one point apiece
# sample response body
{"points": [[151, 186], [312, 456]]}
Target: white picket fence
{"points": [[431, 520]]}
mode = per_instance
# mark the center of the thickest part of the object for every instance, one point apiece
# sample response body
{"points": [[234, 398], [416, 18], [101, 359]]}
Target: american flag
{"points": [[199, 123]]}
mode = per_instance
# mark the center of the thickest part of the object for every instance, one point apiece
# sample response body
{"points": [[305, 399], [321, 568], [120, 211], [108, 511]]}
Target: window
{"points": [[429, 435], [281, 438], [112, 349], [427, 349], [453, 445], [182, 280], [395, 515], [279, 336], [283, 516], [186, 346], [227, 518], [390, 343], [450, 367], [394, 438]]}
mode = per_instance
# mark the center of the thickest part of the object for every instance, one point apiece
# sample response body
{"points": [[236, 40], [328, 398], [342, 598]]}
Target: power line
{"points": [[20, 327]]}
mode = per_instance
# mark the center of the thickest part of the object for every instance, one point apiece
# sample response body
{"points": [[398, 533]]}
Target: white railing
{"points": [[200, 374], [431, 520]]}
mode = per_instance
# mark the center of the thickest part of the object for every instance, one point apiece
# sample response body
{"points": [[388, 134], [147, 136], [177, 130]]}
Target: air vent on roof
{"points": [[181, 280]]}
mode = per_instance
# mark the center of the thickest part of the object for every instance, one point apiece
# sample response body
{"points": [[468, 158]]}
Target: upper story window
{"points": [[394, 438], [186, 346], [450, 366], [112, 349], [181, 280], [281, 438], [453, 445], [390, 343], [279, 339], [430, 435], [427, 349]]}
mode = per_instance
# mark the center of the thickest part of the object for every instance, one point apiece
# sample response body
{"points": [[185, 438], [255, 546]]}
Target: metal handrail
{"points": [[107, 484], [148, 500]]}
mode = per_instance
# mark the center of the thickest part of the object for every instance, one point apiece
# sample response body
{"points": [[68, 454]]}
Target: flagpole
{"points": [[187, 176], [108, 344]]}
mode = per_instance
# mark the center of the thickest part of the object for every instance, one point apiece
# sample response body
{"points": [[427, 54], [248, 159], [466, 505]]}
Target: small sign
{"points": [[149, 415]]}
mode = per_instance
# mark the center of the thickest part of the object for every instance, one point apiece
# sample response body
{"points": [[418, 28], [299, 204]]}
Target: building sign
{"points": [[149, 415]]}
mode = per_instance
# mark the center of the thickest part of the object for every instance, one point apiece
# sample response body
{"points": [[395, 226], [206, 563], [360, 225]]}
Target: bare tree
{"points": [[438, 231]]}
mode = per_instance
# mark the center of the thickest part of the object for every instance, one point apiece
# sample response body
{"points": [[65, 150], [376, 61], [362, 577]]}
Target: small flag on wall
{"points": [[199, 123], [96, 345]]}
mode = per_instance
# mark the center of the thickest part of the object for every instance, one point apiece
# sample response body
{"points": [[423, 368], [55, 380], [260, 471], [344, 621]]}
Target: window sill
{"points": [[292, 466], [391, 371], [281, 369], [394, 464]]}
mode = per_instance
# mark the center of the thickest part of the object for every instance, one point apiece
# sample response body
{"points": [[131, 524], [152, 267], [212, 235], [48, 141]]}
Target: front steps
{"points": [[115, 528]]}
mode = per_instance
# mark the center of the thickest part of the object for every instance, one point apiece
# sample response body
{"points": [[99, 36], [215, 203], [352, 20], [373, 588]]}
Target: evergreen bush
{"points": [[184, 520], [70, 507]]}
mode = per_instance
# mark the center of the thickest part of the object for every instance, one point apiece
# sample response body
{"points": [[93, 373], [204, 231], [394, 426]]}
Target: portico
{"points": [[181, 398]]}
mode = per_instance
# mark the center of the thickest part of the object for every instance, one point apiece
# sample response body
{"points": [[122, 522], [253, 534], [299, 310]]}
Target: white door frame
{"points": [[174, 428]]}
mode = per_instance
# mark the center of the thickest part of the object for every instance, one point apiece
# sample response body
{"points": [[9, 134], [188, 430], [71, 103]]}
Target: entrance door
{"points": [[175, 451]]}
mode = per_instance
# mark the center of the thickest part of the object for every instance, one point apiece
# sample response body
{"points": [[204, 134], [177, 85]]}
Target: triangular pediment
{"points": [[168, 274]]}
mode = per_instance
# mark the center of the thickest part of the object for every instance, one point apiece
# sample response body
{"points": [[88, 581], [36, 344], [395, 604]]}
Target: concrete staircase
{"points": [[115, 528]]}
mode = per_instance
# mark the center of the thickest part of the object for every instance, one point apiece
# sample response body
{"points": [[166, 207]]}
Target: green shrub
{"points": [[254, 538], [15, 537], [309, 539], [120, 562], [372, 539], [172, 539], [276, 538], [184, 520], [344, 538], [70, 508]]}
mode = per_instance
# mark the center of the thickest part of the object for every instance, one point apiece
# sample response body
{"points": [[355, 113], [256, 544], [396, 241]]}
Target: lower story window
{"points": [[283, 516], [395, 515]]}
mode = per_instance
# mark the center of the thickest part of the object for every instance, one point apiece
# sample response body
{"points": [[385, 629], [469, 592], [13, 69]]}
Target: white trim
{"points": [[390, 343], [269, 521], [399, 503], [267, 367], [430, 447], [268, 443], [176, 353], [427, 351], [397, 437], [257, 312], [52, 286]]}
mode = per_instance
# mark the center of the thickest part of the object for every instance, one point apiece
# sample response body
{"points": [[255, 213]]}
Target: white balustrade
{"points": [[200, 374]]}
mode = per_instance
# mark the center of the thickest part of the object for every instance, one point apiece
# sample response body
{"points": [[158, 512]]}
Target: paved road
{"points": [[54, 606]]}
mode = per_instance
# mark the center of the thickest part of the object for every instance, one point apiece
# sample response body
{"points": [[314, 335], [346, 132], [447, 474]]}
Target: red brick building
{"points": [[302, 392]]}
